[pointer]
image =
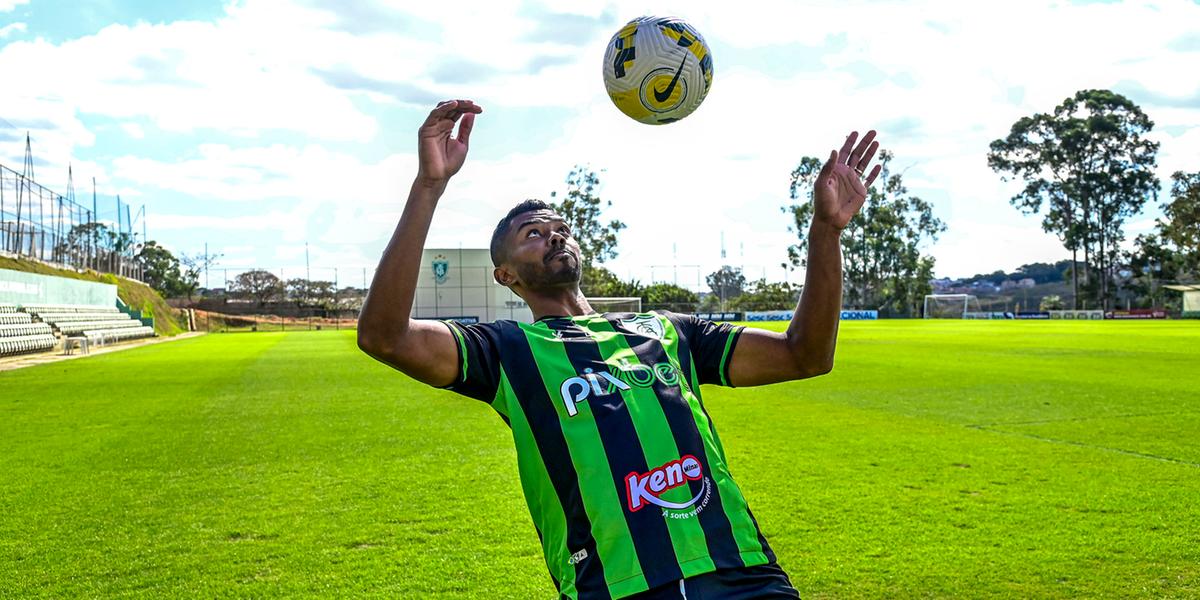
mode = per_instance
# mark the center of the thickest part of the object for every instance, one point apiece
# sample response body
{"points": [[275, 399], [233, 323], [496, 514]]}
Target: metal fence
{"points": [[37, 222]]}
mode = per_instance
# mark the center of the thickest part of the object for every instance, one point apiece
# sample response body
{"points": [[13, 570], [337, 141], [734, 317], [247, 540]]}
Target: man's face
{"points": [[542, 251]]}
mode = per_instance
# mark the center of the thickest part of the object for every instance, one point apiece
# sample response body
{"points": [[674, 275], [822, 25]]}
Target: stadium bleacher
{"points": [[19, 334], [40, 327]]}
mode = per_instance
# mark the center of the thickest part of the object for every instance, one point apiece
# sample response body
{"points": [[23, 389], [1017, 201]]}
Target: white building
{"points": [[458, 283]]}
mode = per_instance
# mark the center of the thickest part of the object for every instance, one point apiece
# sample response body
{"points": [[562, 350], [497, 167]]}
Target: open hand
{"points": [[439, 155], [840, 191]]}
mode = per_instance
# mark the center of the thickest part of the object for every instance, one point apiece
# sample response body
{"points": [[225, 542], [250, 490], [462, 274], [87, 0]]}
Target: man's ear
{"points": [[503, 276]]}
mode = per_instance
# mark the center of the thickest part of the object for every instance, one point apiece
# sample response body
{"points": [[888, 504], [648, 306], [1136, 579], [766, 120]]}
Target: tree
{"points": [[599, 282], [1091, 164], [768, 296], [94, 239], [311, 293], [669, 297], [1180, 228], [261, 286], [1172, 251], [194, 265], [881, 246], [726, 283], [804, 177], [160, 270], [298, 290], [581, 208]]}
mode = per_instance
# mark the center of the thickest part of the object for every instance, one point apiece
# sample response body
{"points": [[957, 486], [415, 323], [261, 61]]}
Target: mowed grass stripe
{"points": [[284, 464], [292, 465]]}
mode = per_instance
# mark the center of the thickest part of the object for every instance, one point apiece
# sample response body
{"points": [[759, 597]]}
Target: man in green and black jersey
{"points": [[622, 468]]}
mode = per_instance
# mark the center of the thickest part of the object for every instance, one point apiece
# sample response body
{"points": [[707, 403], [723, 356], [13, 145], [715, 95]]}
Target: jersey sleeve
{"points": [[711, 345], [478, 360]]}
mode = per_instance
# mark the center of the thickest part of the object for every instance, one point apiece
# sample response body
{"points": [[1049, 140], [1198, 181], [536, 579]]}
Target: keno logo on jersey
{"points": [[647, 488]]}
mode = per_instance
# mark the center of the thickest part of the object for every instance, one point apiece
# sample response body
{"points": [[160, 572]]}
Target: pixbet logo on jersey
{"points": [[647, 488], [602, 383]]}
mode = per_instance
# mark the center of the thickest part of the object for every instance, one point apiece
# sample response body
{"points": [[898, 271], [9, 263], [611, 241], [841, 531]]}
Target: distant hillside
{"points": [[1038, 272], [138, 296], [1022, 298]]}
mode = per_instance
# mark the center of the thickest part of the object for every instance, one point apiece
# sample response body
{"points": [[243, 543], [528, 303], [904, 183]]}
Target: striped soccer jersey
{"points": [[622, 470]]}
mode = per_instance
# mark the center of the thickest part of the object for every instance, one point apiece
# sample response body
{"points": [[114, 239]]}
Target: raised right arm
{"points": [[424, 350]]}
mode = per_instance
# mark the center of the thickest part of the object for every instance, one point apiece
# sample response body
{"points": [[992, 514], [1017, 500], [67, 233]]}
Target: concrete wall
{"points": [[18, 287], [461, 285]]}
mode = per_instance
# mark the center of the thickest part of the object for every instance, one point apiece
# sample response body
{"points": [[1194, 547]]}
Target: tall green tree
{"points": [[764, 295], [669, 296], [1090, 164], [307, 292], [598, 281], [94, 237], [1180, 225], [160, 270], [258, 285], [1172, 251], [727, 282], [582, 206], [803, 178], [881, 246]]}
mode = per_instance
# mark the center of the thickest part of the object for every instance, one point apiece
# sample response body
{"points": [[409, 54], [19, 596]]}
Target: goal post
{"points": [[616, 304], [949, 306]]}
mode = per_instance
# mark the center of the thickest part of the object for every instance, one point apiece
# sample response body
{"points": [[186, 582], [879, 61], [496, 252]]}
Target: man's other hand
{"points": [[840, 191], [440, 156]]}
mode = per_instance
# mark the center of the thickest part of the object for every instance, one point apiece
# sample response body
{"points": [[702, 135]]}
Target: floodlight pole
{"points": [[95, 217]]}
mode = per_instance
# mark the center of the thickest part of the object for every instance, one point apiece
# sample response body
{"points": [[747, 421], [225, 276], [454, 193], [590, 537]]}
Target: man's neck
{"points": [[564, 302]]}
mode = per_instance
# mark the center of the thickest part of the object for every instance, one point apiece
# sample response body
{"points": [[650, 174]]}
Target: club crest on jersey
{"points": [[642, 489], [646, 325]]}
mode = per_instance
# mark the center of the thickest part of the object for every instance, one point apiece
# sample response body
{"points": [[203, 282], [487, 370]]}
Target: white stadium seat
{"points": [[38, 327]]}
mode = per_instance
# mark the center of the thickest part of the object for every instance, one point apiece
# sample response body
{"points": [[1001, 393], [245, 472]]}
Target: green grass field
{"points": [[939, 459]]}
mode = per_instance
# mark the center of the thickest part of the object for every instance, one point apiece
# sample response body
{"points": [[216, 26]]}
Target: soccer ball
{"points": [[657, 69]]}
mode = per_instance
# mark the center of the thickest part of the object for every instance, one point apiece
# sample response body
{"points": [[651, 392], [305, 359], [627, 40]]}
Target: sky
{"points": [[265, 127]]}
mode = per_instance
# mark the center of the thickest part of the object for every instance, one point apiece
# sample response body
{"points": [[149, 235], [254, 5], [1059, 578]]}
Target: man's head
{"points": [[533, 249]]}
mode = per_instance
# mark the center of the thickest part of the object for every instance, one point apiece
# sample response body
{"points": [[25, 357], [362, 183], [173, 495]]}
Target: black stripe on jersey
{"points": [[647, 528], [762, 540], [685, 363], [539, 410], [718, 531]]}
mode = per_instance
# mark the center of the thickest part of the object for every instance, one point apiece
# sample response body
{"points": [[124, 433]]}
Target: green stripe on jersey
{"points": [[462, 348], [745, 533], [658, 445], [544, 507], [723, 367], [614, 543]]}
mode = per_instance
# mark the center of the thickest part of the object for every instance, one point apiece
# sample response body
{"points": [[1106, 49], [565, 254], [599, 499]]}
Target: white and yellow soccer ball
{"points": [[657, 69]]}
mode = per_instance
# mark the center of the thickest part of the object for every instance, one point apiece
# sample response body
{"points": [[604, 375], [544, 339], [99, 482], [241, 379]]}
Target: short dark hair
{"points": [[497, 248]]}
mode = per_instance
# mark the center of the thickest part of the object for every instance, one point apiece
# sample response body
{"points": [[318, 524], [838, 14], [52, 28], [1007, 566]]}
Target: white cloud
{"points": [[133, 130], [11, 28], [8, 5], [269, 72]]}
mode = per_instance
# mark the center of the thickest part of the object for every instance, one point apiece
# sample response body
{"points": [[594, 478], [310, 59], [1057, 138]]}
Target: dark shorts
{"points": [[767, 582]]}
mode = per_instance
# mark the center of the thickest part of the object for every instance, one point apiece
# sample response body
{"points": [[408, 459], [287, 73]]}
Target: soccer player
{"points": [[622, 469]]}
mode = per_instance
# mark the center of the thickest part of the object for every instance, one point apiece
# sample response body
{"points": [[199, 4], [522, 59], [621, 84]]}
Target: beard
{"points": [[557, 272]]}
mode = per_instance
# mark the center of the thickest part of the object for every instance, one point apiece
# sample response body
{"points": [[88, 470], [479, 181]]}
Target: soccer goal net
{"points": [[950, 306], [603, 305]]}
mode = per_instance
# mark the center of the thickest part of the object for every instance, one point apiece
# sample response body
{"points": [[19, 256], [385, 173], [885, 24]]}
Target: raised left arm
{"points": [[806, 349]]}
